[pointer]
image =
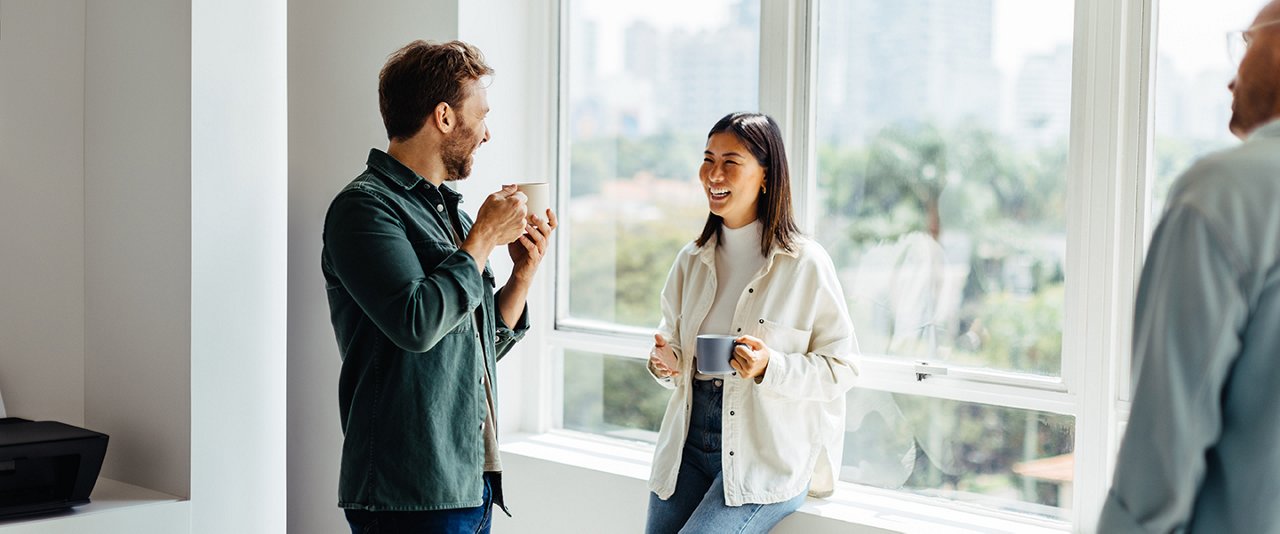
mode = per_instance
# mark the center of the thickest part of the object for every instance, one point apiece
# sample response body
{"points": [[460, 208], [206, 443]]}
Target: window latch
{"points": [[925, 370]]}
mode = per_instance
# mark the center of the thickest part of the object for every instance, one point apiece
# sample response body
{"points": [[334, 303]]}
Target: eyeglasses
{"points": [[1238, 41]]}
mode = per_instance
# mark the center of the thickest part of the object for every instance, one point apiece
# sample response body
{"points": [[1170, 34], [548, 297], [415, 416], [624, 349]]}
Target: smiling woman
{"points": [[744, 448], [744, 159]]}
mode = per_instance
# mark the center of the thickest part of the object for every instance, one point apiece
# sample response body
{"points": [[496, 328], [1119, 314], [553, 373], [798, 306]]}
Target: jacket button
{"points": [[762, 321], [749, 290], [730, 412], [739, 329], [730, 453], [439, 207]]}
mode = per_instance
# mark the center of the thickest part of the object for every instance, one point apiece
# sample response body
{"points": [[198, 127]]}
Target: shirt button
{"points": [[762, 321], [749, 290], [439, 207], [730, 453], [730, 412], [739, 329]]}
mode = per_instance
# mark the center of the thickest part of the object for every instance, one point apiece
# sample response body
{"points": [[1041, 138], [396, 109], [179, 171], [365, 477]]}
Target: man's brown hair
{"points": [[420, 76]]}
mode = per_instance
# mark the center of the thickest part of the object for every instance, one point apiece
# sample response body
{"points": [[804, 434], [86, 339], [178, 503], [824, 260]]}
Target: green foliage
{"points": [[1022, 332], [973, 448], [629, 406], [620, 266], [610, 394], [592, 162]]}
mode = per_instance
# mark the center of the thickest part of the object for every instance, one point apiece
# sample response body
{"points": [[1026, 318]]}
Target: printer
{"points": [[46, 466]]}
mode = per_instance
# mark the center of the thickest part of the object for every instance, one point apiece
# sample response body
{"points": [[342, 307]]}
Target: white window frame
{"points": [[1107, 227]]}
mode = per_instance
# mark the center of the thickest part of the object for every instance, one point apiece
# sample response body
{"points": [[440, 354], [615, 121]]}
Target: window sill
{"points": [[862, 509]]}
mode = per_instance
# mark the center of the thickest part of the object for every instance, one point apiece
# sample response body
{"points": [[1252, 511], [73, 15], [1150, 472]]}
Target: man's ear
{"points": [[443, 117]]}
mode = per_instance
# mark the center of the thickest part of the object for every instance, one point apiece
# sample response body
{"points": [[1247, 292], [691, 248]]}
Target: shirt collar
{"points": [[404, 176], [1270, 129]]}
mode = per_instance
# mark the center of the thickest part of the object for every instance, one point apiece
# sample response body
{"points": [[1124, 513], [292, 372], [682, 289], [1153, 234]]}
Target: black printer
{"points": [[46, 466]]}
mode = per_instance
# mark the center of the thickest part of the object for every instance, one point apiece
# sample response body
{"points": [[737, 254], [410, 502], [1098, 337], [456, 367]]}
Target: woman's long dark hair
{"points": [[763, 138]]}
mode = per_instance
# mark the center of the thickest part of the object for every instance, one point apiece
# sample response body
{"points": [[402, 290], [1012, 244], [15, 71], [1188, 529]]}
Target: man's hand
{"points": [[750, 357], [501, 220], [527, 251], [662, 359]]}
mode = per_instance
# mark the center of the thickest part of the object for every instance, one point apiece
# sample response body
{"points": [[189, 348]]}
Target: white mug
{"points": [[539, 196]]}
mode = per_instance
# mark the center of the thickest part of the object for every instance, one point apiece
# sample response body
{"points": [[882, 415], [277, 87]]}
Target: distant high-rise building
{"points": [[1193, 108], [642, 47], [1042, 103], [905, 61], [711, 73], [699, 76]]}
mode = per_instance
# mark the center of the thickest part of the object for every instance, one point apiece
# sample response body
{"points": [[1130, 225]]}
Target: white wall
{"points": [[239, 203], [138, 238], [335, 52], [42, 231], [143, 148]]}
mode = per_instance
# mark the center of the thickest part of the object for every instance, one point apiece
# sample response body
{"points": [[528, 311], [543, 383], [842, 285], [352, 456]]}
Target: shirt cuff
{"points": [[512, 334], [776, 370]]}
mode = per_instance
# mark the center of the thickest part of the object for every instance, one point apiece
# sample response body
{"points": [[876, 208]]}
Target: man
{"points": [[1202, 449], [412, 302]]}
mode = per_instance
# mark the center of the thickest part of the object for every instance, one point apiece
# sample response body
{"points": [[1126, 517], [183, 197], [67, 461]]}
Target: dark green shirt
{"points": [[415, 321]]}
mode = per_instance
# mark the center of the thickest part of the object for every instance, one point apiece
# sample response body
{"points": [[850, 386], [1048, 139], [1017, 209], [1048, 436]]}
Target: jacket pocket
{"points": [[432, 252], [784, 338]]}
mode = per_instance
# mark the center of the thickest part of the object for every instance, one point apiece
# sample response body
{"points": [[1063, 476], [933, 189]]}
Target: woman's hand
{"points": [[750, 357], [662, 359]]}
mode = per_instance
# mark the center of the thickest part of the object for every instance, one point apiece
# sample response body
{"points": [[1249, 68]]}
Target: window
{"points": [[942, 141], [646, 80], [973, 170]]}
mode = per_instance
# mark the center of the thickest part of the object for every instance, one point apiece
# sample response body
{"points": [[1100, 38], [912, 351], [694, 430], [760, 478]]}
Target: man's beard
{"points": [[456, 154]]}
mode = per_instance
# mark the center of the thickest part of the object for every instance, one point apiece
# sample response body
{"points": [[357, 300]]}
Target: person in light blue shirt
{"points": [[1202, 449]]}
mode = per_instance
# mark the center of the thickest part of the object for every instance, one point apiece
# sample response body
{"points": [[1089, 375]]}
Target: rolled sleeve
{"points": [[506, 337]]}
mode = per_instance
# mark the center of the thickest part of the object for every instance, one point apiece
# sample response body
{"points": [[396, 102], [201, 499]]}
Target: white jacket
{"points": [[786, 432]]}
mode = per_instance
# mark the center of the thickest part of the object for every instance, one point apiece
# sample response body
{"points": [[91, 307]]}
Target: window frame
{"points": [[1108, 219]]}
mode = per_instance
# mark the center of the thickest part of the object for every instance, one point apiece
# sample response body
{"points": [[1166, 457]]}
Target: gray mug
{"points": [[714, 353]]}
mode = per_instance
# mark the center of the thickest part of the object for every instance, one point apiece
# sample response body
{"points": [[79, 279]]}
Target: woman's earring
{"points": [[763, 190]]}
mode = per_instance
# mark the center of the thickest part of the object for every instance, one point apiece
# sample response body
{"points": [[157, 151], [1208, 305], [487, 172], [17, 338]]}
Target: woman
{"points": [[736, 453]]}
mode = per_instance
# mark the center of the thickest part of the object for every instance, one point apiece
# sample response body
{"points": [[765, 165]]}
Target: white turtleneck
{"points": [[738, 261]]}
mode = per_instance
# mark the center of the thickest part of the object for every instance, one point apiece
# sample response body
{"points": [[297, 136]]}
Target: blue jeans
{"points": [[697, 506], [453, 521]]}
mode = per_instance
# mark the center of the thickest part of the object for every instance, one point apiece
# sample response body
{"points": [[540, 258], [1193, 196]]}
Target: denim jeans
{"points": [[697, 506], [453, 521]]}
